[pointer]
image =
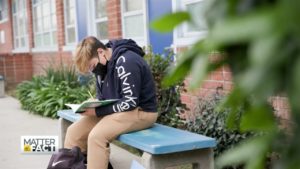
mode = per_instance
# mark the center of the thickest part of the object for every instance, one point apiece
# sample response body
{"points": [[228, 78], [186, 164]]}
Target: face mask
{"points": [[101, 69]]}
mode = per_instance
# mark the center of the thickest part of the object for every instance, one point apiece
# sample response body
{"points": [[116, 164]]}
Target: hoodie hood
{"points": [[118, 48], [121, 46]]}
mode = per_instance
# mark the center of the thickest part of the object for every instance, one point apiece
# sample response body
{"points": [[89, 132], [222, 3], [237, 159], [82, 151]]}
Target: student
{"points": [[121, 73]]}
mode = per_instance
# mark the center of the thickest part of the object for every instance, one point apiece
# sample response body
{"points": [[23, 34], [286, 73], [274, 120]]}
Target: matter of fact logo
{"points": [[39, 144]]}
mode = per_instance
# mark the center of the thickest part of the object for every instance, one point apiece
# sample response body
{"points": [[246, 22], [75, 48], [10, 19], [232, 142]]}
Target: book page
{"points": [[90, 104]]}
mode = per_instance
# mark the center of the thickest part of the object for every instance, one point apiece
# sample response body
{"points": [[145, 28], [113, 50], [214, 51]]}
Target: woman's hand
{"points": [[89, 112]]}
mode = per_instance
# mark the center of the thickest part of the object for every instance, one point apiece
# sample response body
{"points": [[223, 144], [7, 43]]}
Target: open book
{"points": [[79, 108]]}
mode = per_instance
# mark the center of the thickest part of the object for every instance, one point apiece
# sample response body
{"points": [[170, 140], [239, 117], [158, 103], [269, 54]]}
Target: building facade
{"points": [[36, 33]]}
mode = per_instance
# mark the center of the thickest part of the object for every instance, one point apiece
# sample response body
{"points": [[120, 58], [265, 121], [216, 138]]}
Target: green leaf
{"points": [[258, 80], [252, 152], [199, 70], [264, 48], [258, 118], [294, 87], [241, 29], [60, 102], [234, 100], [183, 65], [168, 22]]}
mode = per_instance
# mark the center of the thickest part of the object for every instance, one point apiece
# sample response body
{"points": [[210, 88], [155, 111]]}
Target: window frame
{"points": [[142, 41], [7, 12], [2, 37], [95, 21], [25, 28], [53, 44], [181, 36], [70, 46]]}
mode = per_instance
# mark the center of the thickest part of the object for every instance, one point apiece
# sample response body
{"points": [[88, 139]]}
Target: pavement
{"points": [[15, 122]]}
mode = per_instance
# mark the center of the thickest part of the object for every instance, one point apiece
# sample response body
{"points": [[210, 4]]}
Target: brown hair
{"points": [[85, 51]]}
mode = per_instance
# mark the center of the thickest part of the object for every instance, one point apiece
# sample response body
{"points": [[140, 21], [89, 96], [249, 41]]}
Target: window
{"points": [[3, 10], [196, 8], [19, 24], [133, 20], [2, 37], [188, 33], [44, 23], [70, 22], [100, 19]]}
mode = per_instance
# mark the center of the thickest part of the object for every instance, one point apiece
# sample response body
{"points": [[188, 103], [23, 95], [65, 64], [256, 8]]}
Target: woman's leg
{"points": [[77, 133], [110, 127]]}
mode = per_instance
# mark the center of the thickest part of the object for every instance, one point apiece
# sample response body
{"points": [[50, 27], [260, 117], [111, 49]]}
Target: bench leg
{"points": [[63, 126], [150, 161], [205, 159], [201, 159]]}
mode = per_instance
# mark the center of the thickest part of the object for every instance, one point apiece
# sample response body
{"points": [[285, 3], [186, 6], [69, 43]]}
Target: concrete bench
{"points": [[162, 146]]}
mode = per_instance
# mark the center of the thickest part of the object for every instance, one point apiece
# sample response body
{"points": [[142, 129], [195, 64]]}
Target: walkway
{"points": [[15, 122]]}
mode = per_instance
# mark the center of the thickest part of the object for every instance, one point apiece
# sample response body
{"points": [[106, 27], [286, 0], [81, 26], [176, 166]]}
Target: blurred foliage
{"points": [[211, 121], [48, 93], [168, 99], [259, 40]]}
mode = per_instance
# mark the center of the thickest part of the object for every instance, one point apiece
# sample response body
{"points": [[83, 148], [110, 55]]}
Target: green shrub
{"points": [[169, 102], [211, 122], [46, 94]]}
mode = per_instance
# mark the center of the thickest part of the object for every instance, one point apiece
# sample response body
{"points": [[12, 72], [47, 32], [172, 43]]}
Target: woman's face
{"points": [[93, 63]]}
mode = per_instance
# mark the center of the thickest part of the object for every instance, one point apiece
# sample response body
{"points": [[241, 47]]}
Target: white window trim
{"points": [[7, 15], [21, 50], [92, 20], [26, 47], [141, 41], [43, 48], [2, 37], [70, 46], [4, 20], [187, 38]]}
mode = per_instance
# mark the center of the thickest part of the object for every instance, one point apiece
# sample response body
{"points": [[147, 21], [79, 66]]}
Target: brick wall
{"points": [[114, 19], [281, 106], [60, 24], [15, 68], [30, 24], [221, 80], [217, 81]]}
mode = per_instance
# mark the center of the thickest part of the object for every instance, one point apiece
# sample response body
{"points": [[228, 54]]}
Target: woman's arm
{"points": [[129, 74]]}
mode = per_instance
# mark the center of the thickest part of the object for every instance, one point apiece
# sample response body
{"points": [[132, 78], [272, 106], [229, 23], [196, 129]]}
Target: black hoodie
{"points": [[128, 79]]}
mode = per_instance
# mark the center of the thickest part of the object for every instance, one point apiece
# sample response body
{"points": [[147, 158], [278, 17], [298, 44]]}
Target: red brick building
{"points": [[36, 33]]}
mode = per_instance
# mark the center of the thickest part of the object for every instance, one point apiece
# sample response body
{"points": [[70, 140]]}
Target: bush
{"points": [[169, 102], [46, 94], [212, 122]]}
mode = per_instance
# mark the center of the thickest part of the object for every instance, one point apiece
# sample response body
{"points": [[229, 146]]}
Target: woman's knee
{"points": [[97, 138], [71, 131]]}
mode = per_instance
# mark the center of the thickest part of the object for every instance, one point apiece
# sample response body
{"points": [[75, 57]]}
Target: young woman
{"points": [[121, 73]]}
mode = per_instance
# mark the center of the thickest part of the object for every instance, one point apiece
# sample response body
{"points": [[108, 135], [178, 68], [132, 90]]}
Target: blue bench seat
{"points": [[157, 140]]}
